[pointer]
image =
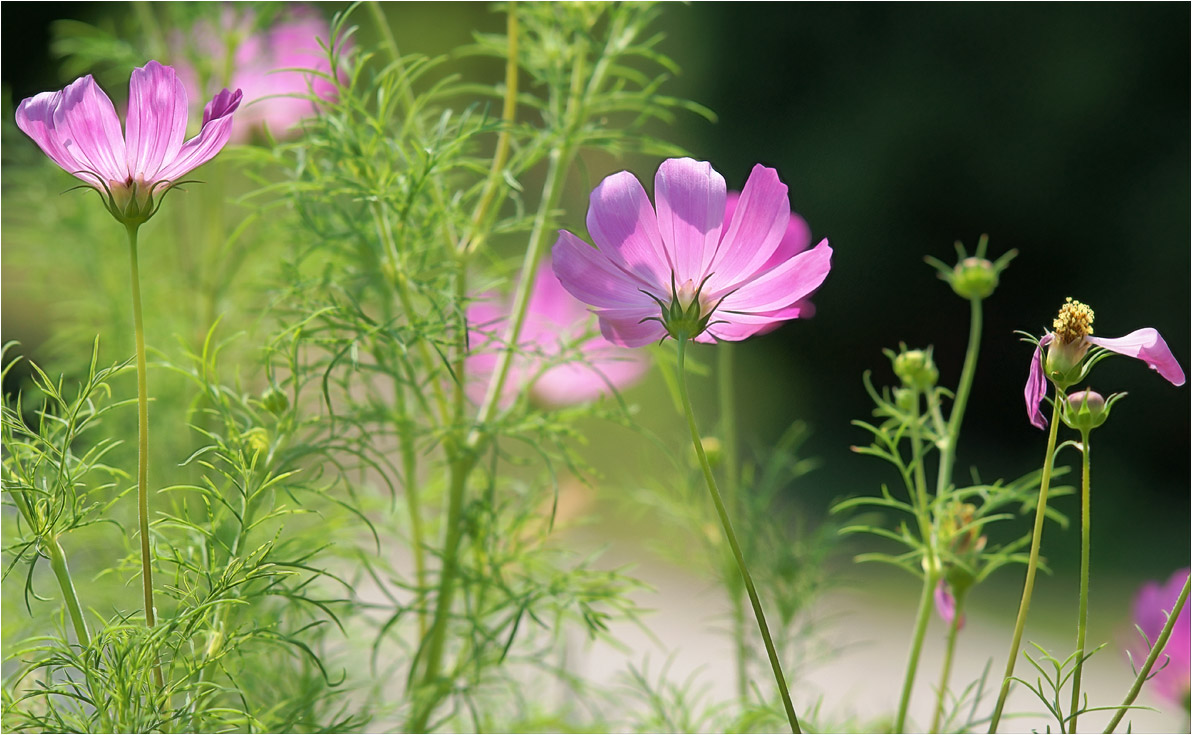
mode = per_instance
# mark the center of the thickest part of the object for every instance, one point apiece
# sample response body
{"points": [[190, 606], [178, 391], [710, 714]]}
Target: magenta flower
{"points": [[1151, 606], [283, 70], [1069, 345], [681, 268], [945, 604], [78, 129], [553, 320]]}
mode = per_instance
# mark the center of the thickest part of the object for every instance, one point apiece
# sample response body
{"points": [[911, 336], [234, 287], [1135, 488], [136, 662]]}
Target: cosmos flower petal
{"points": [[156, 119], [630, 327], [758, 225], [792, 281], [217, 127], [590, 276], [624, 228], [945, 604], [1036, 385], [690, 197], [1147, 345], [35, 117], [88, 127], [603, 369]]}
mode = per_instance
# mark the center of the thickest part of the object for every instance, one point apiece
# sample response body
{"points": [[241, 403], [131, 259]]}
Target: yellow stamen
{"points": [[1075, 321]]}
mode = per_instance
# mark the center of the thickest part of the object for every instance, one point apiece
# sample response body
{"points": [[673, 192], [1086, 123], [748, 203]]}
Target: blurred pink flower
{"points": [[553, 319], [279, 68], [945, 604], [682, 262], [1069, 344], [1150, 608], [79, 130]]}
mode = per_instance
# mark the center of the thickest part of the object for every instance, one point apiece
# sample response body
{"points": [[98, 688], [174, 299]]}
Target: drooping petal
{"points": [[624, 228], [1036, 385], [631, 327], [590, 276], [156, 119], [689, 195], [217, 127], [1147, 345], [945, 604], [87, 127], [759, 223], [792, 281]]}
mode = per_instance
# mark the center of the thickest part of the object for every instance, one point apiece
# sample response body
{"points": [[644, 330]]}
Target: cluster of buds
{"points": [[961, 538]]}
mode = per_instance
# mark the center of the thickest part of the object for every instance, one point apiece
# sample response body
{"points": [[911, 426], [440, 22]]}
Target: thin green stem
{"points": [[931, 573], [1082, 620], [922, 617], [1031, 567], [963, 389], [1152, 657], [62, 573], [949, 655], [142, 440], [710, 479], [728, 428]]}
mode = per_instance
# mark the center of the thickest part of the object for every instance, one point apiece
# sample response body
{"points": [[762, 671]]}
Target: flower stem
{"points": [[1082, 620], [931, 569], [963, 388], [728, 427], [732, 541], [949, 654], [142, 441], [1032, 565], [1152, 657], [62, 572]]}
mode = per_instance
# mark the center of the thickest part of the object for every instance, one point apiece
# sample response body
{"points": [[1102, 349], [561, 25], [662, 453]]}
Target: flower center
{"points": [[1074, 323]]}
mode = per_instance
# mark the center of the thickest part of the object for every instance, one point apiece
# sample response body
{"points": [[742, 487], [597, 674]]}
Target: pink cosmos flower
{"points": [[945, 604], [283, 69], [78, 129], [1150, 608], [680, 267], [1069, 344], [553, 320]]}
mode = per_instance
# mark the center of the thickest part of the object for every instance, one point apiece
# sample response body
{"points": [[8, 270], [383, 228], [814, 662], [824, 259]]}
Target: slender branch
{"points": [[949, 655], [1152, 657], [1082, 619], [963, 389], [1032, 565], [142, 441], [710, 479], [62, 573], [922, 618]]}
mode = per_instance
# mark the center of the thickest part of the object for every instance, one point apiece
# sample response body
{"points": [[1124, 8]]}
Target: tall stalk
{"points": [[728, 428], [142, 441], [1032, 565], [949, 655], [718, 501], [1082, 619]]}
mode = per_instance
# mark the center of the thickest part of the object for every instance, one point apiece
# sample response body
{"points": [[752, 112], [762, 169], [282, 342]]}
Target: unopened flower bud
{"points": [[974, 278], [1085, 410], [916, 369], [275, 401]]}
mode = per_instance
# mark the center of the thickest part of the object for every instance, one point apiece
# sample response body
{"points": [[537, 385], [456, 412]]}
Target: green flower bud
{"points": [[1086, 410], [916, 369], [973, 277], [713, 450], [275, 401]]}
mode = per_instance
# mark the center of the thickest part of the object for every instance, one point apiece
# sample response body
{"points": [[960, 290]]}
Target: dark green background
{"points": [[1061, 130]]}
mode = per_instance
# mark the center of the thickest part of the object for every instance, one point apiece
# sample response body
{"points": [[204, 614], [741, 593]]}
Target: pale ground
{"points": [[871, 621]]}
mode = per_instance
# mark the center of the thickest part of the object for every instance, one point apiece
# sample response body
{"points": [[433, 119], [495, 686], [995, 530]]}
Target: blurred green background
{"points": [[1059, 130]]}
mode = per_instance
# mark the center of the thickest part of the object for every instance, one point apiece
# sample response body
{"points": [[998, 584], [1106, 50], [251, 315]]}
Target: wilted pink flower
{"points": [[282, 69], [1069, 344], [945, 604], [553, 320], [78, 129], [680, 268], [1151, 606]]}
